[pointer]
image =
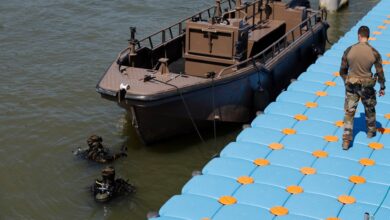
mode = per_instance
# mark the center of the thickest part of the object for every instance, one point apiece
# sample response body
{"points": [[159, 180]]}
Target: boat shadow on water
{"points": [[222, 135]]}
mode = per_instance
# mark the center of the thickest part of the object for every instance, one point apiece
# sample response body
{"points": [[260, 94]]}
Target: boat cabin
{"points": [[207, 43]]}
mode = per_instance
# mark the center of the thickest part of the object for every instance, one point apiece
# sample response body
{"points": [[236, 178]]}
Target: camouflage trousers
{"points": [[355, 92]]}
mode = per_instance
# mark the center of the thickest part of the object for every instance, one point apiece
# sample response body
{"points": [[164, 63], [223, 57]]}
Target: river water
{"points": [[52, 54]]}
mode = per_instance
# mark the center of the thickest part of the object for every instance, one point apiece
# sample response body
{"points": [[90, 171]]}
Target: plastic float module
{"points": [[289, 164]]}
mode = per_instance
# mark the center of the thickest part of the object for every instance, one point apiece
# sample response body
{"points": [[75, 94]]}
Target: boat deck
{"points": [[290, 165], [134, 77]]}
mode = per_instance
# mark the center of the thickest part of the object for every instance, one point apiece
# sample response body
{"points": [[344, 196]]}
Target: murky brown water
{"points": [[52, 54]]}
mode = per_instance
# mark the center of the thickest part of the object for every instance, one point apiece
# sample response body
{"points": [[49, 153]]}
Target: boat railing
{"points": [[177, 30], [281, 44]]}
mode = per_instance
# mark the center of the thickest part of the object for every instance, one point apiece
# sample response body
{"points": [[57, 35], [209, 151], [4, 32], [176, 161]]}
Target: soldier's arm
{"points": [[98, 157], [379, 69], [344, 64], [101, 160]]}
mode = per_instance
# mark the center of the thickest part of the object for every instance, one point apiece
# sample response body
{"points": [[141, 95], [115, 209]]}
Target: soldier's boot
{"points": [[371, 134], [348, 129], [346, 144]]}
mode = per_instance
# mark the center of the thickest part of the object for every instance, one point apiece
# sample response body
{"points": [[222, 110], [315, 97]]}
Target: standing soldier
{"points": [[360, 82]]}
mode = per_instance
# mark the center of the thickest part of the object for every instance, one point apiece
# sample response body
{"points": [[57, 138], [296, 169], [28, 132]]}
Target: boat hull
{"points": [[234, 99]]}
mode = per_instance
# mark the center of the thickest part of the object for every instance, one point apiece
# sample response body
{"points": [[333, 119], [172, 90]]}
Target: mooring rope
{"points": [[185, 106]]}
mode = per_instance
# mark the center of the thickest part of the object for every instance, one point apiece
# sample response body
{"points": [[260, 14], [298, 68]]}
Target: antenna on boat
{"points": [[238, 4], [260, 10], [132, 43], [218, 10], [268, 10]]}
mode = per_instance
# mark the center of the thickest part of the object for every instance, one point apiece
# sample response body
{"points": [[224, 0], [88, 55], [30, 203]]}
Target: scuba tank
{"points": [[102, 191]]}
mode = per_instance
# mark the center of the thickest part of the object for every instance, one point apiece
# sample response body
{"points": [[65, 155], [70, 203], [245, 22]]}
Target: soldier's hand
{"points": [[381, 92]]}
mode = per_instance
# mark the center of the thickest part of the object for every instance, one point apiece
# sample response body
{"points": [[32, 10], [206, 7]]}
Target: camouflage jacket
{"points": [[356, 64]]}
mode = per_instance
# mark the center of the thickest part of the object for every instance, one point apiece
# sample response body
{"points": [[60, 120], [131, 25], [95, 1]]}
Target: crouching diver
{"points": [[108, 187], [97, 152]]}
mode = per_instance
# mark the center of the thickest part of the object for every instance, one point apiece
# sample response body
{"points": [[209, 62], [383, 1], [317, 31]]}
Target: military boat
{"points": [[222, 65]]}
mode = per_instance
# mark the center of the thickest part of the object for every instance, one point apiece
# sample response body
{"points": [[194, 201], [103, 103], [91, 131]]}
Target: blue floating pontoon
{"points": [[290, 165]]}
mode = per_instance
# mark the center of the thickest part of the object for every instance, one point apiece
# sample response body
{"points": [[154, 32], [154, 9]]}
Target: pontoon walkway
{"points": [[290, 165]]}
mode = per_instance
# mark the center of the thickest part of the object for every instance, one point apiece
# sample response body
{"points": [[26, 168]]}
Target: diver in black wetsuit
{"points": [[97, 152], [108, 187]]}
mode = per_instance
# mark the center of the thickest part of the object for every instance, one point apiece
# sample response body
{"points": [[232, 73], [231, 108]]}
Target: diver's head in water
{"points": [[108, 173], [94, 139]]}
